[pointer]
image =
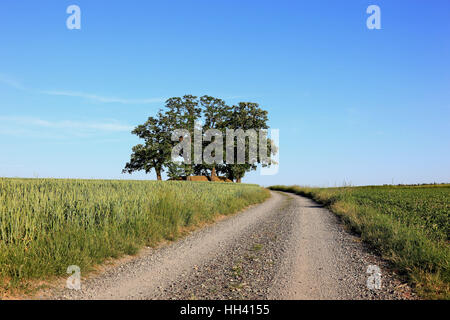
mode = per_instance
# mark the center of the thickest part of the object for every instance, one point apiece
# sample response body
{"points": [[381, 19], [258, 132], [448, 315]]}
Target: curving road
{"points": [[286, 248]]}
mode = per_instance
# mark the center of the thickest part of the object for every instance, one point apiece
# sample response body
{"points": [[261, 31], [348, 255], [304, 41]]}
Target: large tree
{"points": [[183, 113], [214, 115], [244, 116], [187, 113], [155, 152]]}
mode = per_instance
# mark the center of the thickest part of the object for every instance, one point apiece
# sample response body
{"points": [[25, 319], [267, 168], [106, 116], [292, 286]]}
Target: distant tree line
{"points": [[189, 112]]}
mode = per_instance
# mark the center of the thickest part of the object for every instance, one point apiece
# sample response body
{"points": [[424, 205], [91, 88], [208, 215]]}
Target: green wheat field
{"points": [[407, 225], [48, 224]]}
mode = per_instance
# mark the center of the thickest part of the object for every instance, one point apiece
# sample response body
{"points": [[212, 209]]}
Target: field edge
{"points": [[405, 248], [92, 247]]}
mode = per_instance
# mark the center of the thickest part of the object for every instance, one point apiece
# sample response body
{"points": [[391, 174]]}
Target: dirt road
{"points": [[286, 248]]}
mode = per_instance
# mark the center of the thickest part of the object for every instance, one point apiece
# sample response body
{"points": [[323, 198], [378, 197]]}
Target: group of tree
{"points": [[192, 113]]}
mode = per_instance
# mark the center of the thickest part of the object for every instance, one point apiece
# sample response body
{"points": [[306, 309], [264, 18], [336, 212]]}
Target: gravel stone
{"points": [[289, 247]]}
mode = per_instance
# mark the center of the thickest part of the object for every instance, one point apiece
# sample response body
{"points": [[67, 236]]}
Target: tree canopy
{"points": [[196, 116]]}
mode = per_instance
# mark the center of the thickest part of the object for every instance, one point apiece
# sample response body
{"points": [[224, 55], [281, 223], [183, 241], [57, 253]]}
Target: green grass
{"points": [[407, 225], [48, 224], [257, 247]]}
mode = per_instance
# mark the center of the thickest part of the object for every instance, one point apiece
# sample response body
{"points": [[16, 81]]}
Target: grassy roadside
{"points": [[407, 225], [48, 224]]}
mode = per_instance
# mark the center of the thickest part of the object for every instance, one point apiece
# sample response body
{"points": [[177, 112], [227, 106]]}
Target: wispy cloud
{"points": [[11, 82], [4, 79], [103, 99], [111, 126]]}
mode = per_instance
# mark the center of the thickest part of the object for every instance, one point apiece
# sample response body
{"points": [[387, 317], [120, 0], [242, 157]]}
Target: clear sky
{"points": [[352, 104]]}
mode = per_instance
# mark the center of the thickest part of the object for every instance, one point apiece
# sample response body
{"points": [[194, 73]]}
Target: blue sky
{"points": [[352, 104]]}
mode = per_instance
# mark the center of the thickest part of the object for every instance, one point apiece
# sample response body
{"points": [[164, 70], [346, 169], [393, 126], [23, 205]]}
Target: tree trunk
{"points": [[213, 172], [238, 180], [158, 175]]}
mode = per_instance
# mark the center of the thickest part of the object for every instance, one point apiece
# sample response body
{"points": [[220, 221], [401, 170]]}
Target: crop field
{"points": [[408, 225], [48, 224]]}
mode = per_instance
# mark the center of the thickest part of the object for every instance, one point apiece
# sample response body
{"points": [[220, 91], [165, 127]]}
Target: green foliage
{"points": [[48, 224], [408, 225], [245, 116], [175, 170], [155, 154], [185, 113]]}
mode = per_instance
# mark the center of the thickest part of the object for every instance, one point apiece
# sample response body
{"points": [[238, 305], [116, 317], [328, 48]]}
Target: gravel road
{"points": [[286, 248]]}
